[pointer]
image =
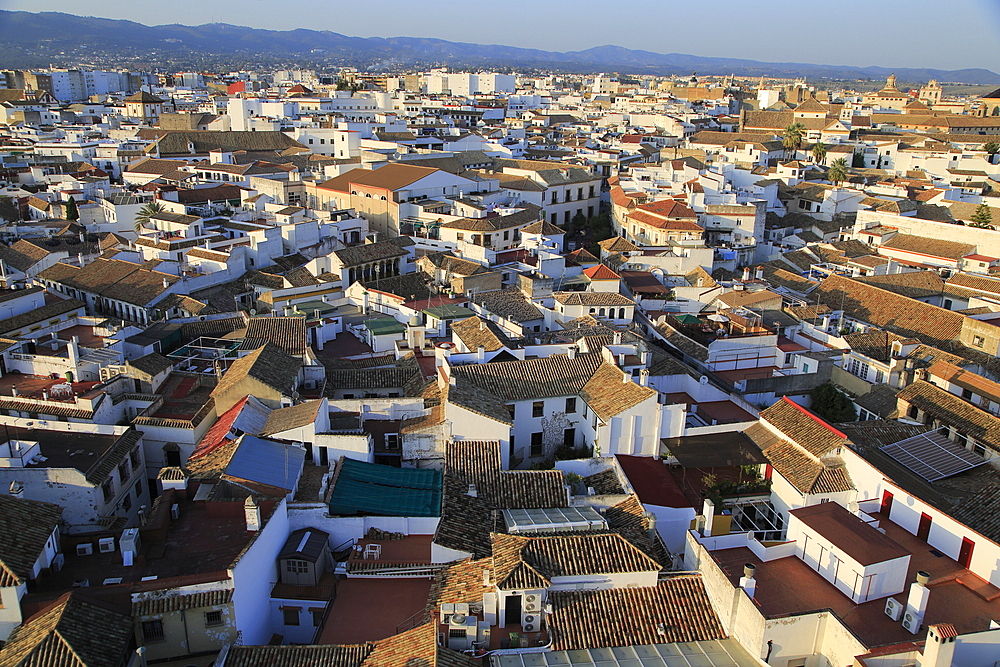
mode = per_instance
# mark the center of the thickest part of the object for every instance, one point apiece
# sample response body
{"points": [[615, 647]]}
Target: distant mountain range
{"points": [[37, 39]]}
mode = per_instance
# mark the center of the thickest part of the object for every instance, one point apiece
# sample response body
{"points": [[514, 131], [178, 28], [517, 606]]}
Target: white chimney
{"points": [[481, 354], [571, 352], [760, 273], [617, 338], [916, 603], [17, 489], [166, 283], [746, 273], [708, 511], [252, 511], [747, 581], [472, 493], [939, 649]]}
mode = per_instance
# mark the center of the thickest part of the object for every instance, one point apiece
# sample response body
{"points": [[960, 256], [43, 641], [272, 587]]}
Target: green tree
{"points": [[792, 140], [838, 171], [858, 161], [819, 152], [982, 218], [992, 147], [577, 224], [145, 213], [72, 212], [8, 209], [832, 404]]}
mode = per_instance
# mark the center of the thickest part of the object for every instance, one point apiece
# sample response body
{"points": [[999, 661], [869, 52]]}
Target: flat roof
{"points": [[853, 536]]}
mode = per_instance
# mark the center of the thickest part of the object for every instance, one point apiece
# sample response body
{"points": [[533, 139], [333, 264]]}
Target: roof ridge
{"points": [[819, 420]]}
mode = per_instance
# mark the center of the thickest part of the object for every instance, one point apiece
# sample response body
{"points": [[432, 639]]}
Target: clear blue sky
{"points": [[890, 33]]}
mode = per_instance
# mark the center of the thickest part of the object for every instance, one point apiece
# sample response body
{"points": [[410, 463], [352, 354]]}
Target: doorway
{"points": [[512, 610], [965, 553], [924, 529]]}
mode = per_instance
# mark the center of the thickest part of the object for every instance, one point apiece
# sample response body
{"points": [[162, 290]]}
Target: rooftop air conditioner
{"points": [[447, 609], [530, 625], [175, 511], [106, 545], [912, 622], [893, 609], [84, 549], [532, 603]]}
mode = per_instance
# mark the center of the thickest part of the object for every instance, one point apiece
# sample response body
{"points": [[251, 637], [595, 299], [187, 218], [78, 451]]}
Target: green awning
{"points": [[379, 490]]}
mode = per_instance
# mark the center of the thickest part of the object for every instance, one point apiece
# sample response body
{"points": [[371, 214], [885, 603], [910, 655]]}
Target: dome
{"points": [[415, 321]]}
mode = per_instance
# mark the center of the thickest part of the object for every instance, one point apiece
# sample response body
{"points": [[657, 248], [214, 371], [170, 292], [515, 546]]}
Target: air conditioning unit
{"points": [[84, 549], [447, 609], [462, 608], [530, 624], [912, 622], [893, 609], [532, 603], [175, 511], [106, 545]]}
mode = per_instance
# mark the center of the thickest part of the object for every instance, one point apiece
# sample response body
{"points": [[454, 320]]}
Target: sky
{"points": [[889, 33]]}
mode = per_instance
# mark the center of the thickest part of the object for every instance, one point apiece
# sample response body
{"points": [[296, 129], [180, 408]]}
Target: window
{"points": [[317, 615], [571, 405], [127, 502], [538, 408], [290, 615], [213, 618], [536, 444], [510, 410], [879, 377], [978, 341], [138, 489], [296, 566], [152, 631], [109, 489], [967, 394], [123, 473]]}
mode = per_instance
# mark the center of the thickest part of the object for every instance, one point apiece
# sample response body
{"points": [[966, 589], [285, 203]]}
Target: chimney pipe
{"points": [[747, 581], [251, 509], [571, 352]]}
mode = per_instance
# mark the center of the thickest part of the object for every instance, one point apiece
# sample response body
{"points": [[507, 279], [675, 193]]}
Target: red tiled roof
{"points": [[652, 481], [600, 272]]}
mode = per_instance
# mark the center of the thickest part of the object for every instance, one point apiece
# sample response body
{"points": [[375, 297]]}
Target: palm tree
{"points": [[792, 140], [819, 152], [838, 171], [145, 213]]}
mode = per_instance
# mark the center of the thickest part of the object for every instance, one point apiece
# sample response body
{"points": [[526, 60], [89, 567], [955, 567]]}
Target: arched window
{"points": [[601, 313]]}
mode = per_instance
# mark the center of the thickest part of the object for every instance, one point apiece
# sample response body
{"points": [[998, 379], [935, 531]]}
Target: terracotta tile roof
{"points": [[46, 312], [292, 655], [291, 417], [113, 279], [604, 482], [22, 255], [287, 333], [677, 609], [493, 223], [928, 246], [158, 603], [532, 562], [888, 310], [393, 176], [417, 646], [459, 582], [803, 427], [966, 379], [966, 282], [610, 392], [470, 460], [268, 364], [875, 344], [368, 252], [600, 272], [592, 299], [953, 410], [26, 526], [475, 331], [510, 304], [73, 632], [914, 284], [628, 519], [618, 244]]}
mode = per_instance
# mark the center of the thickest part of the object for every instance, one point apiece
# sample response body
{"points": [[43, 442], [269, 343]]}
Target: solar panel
{"points": [[933, 456]]}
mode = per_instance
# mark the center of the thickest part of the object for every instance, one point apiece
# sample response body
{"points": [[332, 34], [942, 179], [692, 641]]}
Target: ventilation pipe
{"points": [[747, 581]]}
